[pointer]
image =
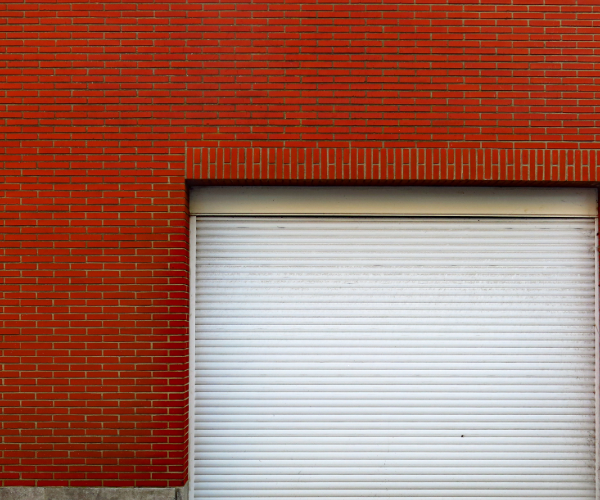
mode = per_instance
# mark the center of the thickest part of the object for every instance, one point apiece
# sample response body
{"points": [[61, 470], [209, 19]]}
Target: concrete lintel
{"points": [[40, 493]]}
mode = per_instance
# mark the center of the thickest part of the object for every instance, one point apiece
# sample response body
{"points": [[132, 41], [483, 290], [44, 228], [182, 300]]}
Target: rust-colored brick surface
{"points": [[408, 73]]}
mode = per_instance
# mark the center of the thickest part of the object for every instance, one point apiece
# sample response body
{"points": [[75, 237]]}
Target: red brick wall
{"points": [[100, 102], [93, 242], [412, 73]]}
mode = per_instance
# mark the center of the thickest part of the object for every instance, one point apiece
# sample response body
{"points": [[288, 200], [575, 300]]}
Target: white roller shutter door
{"points": [[420, 358]]}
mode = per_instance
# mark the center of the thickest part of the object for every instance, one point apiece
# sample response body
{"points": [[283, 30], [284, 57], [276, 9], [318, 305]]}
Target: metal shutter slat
{"points": [[421, 358]]}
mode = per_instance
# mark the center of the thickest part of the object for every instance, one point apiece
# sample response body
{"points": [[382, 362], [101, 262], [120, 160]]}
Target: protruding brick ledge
{"points": [[295, 165]]}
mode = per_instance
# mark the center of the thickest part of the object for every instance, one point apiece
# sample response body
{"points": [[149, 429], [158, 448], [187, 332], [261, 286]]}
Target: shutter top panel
{"points": [[394, 201]]}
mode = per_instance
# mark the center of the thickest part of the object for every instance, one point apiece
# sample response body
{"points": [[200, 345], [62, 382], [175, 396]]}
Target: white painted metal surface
{"points": [[394, 201], [421, 358], [192, 353]]}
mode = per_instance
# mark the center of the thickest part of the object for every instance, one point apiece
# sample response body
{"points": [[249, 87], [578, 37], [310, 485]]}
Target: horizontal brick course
{"points": [[374, 165]]}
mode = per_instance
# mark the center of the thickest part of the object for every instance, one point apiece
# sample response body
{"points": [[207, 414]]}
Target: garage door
{"points": [[408, 357]]}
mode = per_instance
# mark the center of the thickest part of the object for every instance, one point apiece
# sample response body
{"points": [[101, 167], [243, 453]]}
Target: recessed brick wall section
{"points": [[101, 105]]}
